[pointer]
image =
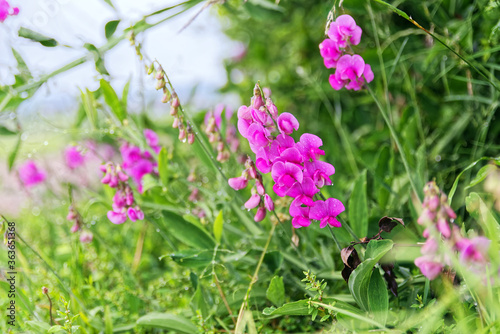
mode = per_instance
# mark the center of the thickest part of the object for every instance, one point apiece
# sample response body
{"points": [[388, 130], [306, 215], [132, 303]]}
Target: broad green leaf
{"points": [[218, 226], [198, 302], [149, 182], [13, 154], [163, 166], [294, 308], [37, 37], [110, 28], [112, 100], [167, 321], [359, 280], [276, 291], [378, 299], [191, 234], [88, 101], [55, 329], [358, 207]]}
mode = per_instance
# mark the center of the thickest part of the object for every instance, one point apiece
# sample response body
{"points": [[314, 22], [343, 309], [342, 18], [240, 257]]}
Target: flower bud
{"points": [[252, 202], [238, 183], [268, 202], [175, 100], [45, 290], [260, 215]]}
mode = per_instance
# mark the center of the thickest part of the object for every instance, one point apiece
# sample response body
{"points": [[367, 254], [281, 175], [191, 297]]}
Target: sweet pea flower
{"points": [[30, 174], [238, 183], [7, 10], [252, 202], [330, 52], [300, 215], [117, 217], [473, 250], [344, 30], [287, 123], [327, 211], [309, 146], [351, 72], [303, 192], [152, 140], [268, 203], [86, 237], [428, 266], [74, 157], [135, 214]]}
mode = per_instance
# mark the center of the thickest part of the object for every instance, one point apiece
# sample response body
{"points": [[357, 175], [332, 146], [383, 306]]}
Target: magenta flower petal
{"points": [[268, 203], [117, 217], [238, 183], [253, 201], [30, 174], [287, 123]]}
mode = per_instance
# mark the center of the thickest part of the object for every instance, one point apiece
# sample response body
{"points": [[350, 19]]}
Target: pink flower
{"points": [[74, 157], [6, 10], [303, 192], [238, 183], [430, 268], [351, 72], [309, 146], [330, 52], [300, 215], [252, 202], [30, 174], [135, 214], [285, 175], [86, 237], [473, 250], [344, 30], [327, 211], [260, 214], [287, 123], [320, 172], [152, 140], [268, 202], [117, 217]]}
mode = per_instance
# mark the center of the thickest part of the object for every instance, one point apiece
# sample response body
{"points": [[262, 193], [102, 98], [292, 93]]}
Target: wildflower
{"points": [[327, 211], [351, 70], [294, 167], [30, 174], [152, 140], [74, 157], [86, 237], [7, 10]]}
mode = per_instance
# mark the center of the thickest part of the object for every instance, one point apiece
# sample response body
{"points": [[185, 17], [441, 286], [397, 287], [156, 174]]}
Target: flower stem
{"points": [[398, 144]]}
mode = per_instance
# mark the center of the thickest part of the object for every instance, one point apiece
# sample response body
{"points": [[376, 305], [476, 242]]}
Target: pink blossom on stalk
{"points": [[327, 211], [252, 202], [86, 237], [74, 157], [268, 202], [287, 123], [135, 214], [429, 267], [351, 73], [344, 30], [152, 140], [473, 250], [6, 10], [117, 217], [260, 214], [330, 52], [300, 215], [30, 174], [238, 183]]}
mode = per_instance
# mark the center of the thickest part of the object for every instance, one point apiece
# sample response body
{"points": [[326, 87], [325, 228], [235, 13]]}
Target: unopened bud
{"points": [[160, 84], [150, 69], [159, 74], [175, 100], [190, 138], [182, 134], [166, 95], [175, 125], [45, 290]]}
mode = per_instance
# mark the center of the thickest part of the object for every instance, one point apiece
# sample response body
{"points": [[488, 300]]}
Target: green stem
{"points": [[398, 144], [334, 238], [255, 276]]}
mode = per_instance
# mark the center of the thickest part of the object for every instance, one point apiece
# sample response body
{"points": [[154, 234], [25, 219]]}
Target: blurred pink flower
{"points": [[6, 10], [86, 237], [30, 174], [74, 157]]}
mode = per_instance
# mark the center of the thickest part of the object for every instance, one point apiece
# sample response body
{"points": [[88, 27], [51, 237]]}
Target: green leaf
{"points": [[294, 308], [218, 226], [125, 95], [358, 207], [55, 329], [40, 326], [481, 175], [191, 234], [108, 322], [167, 321], [21, 64], [88, 101], [276, 291], [6, 132], [149, 182], [192, 258], [378, 299], [198, 302], [359, 280], [110, 28], [37, 37], [112, 100], [13, 154], [163, 166]]}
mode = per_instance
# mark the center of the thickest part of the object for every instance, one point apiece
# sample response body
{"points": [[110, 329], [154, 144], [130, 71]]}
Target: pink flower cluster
{"points": [[437, 216], [351, 70], [74, 157], [74, 217], [294, 167], [6, 9], [137, 162], [123, 201], [30, 174], [213, 128]]}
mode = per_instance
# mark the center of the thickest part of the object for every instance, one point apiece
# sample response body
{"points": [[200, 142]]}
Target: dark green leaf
{"points": [[378, 300], [37, 37], [191, 234], [110, 28], [276, 291]]}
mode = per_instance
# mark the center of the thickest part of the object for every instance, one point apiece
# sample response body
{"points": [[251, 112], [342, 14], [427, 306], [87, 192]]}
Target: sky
{"points": [[192, 58]]}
